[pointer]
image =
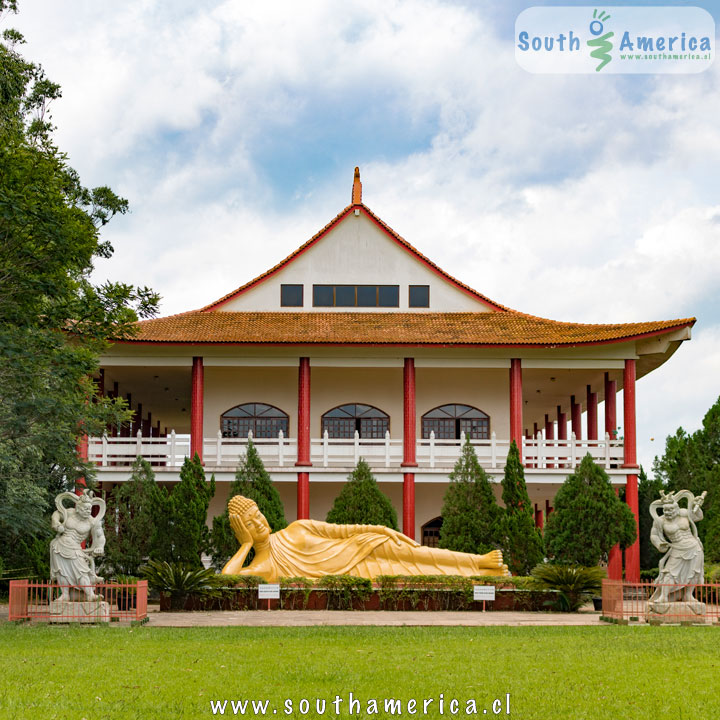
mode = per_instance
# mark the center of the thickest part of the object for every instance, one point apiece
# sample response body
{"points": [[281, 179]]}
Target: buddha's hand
{"points": [[241, 532], [400, 538]]}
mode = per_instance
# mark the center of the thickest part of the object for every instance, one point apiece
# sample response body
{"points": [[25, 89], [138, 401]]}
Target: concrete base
{"points": [[676, 612], [93, 611]]}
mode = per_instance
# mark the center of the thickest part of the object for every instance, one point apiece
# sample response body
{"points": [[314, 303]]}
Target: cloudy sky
{"points": [[233, 129]]}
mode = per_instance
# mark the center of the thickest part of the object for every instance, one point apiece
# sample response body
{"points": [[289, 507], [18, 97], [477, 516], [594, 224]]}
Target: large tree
{"points": [[253, 481], [470, 513], [588, 519], [54, 322], [521, 541]]}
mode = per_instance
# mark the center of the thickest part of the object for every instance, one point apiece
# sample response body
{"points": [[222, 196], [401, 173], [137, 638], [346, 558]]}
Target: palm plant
{"points": [[575, 584], [179, 580]]}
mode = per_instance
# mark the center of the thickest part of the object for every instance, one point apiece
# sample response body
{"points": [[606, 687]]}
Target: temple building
{"points": [[357, 345]]}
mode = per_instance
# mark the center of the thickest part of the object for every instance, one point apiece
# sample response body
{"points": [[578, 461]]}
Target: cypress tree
{"points": [[588, 518], [521, 540], [130, 510], [181, 534], [254, 482], [470, 513], [362, 502]]}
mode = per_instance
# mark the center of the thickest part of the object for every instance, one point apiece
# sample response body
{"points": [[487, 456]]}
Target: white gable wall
{"points": [[355, 252]]}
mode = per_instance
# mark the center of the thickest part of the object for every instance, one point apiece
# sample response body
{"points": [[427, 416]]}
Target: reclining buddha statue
{"points": [[311, 549]]}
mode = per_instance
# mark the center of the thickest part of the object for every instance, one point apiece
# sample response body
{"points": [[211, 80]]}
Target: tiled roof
{"points": [[397, 238], [393, 328]]}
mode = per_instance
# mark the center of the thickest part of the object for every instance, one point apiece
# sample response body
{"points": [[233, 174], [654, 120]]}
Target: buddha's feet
{"points": [[492, 560]]}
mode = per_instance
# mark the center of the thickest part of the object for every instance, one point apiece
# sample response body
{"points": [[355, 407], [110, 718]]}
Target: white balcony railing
{"points": [[326, 452]]}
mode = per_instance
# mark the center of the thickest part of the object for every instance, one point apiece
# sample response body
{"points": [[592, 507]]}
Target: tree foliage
{"points": [[54, 322], [692, 462], [470, 513], [521, 541], [362, 502], [131, 510], [588, 519], [254, 482], [180, 533]]}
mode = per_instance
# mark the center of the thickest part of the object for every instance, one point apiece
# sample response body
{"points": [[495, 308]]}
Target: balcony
{"points": [[280, 454]]}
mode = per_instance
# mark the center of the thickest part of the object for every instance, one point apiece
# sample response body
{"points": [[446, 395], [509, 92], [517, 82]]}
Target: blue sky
{"points": [[233, 129]]}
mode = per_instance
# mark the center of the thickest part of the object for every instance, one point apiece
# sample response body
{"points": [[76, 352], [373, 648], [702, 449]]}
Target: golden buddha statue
{"points": [[311, 549]]}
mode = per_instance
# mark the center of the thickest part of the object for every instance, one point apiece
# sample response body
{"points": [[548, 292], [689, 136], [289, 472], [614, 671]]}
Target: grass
{"points": [[114, 673]]}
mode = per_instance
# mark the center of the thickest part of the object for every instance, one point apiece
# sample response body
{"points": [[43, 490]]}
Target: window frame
{"points": [[394, 288], [417, 287], [292, 285]]}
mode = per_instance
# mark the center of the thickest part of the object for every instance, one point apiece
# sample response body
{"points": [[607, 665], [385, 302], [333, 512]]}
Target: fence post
{"points": [[138, 444], [387, 448], [573, 450], [540, 450], [357, 447], [103, 461], [432, 448], [219, 443], [607, 450], [281, 448], [325, 448], [172, 448], [493, 450]]}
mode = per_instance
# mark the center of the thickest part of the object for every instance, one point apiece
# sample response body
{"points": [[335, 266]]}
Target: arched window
{"points": [[448, 421], [343, 421], [265, 421], [431, 532]]}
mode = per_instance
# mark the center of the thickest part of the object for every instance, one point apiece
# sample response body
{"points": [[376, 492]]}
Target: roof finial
{"points": [[357, 188]]}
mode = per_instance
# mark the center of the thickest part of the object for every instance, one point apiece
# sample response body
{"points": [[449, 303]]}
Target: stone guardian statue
{"points": [[682, 567]]}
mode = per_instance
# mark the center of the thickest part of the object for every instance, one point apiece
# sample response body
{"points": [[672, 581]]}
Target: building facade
{"points": [[357, 345]]}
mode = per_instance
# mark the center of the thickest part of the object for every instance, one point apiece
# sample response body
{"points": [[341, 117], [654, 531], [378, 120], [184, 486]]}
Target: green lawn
{"points": [[616, 673]]}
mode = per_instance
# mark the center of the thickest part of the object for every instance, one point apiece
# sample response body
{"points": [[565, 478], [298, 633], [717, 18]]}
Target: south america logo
{"points": [[600, 42]]}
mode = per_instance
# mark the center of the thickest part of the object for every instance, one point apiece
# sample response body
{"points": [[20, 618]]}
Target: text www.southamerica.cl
{"points": [[351, 705]]}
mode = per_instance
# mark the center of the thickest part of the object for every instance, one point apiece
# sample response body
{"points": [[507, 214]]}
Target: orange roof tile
{"points": [[388, 328]]}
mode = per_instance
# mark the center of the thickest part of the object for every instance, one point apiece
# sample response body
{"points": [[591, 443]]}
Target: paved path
{"points": [[304, 618], [311, 618]]}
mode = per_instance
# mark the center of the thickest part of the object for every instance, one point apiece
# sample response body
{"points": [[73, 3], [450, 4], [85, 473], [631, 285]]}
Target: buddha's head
{"points": [[252, 518]]}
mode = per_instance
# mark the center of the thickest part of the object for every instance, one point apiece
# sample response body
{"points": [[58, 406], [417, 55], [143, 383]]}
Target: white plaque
{"points": [[483, 592], [269, 591]]}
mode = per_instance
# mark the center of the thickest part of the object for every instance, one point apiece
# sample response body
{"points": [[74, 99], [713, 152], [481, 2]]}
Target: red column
{"points": [[615, 568], [632, 554], [516, 403], [409, 434], [303, 452], [610, 406], [303, 496], [576, 417], [592, 414], [409, 443], [196, 408], [538, 518]]}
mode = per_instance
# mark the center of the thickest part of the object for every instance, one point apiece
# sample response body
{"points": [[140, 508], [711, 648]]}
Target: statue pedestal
{"points": [[676, 612], [89, 611]]}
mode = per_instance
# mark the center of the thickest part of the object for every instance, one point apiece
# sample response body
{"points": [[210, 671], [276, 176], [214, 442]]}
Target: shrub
{"points": [[131, 509], [362, 502], [180, 533], [254, 482], [521, 540], [588, 519], [470, 513], [575, 584]]}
